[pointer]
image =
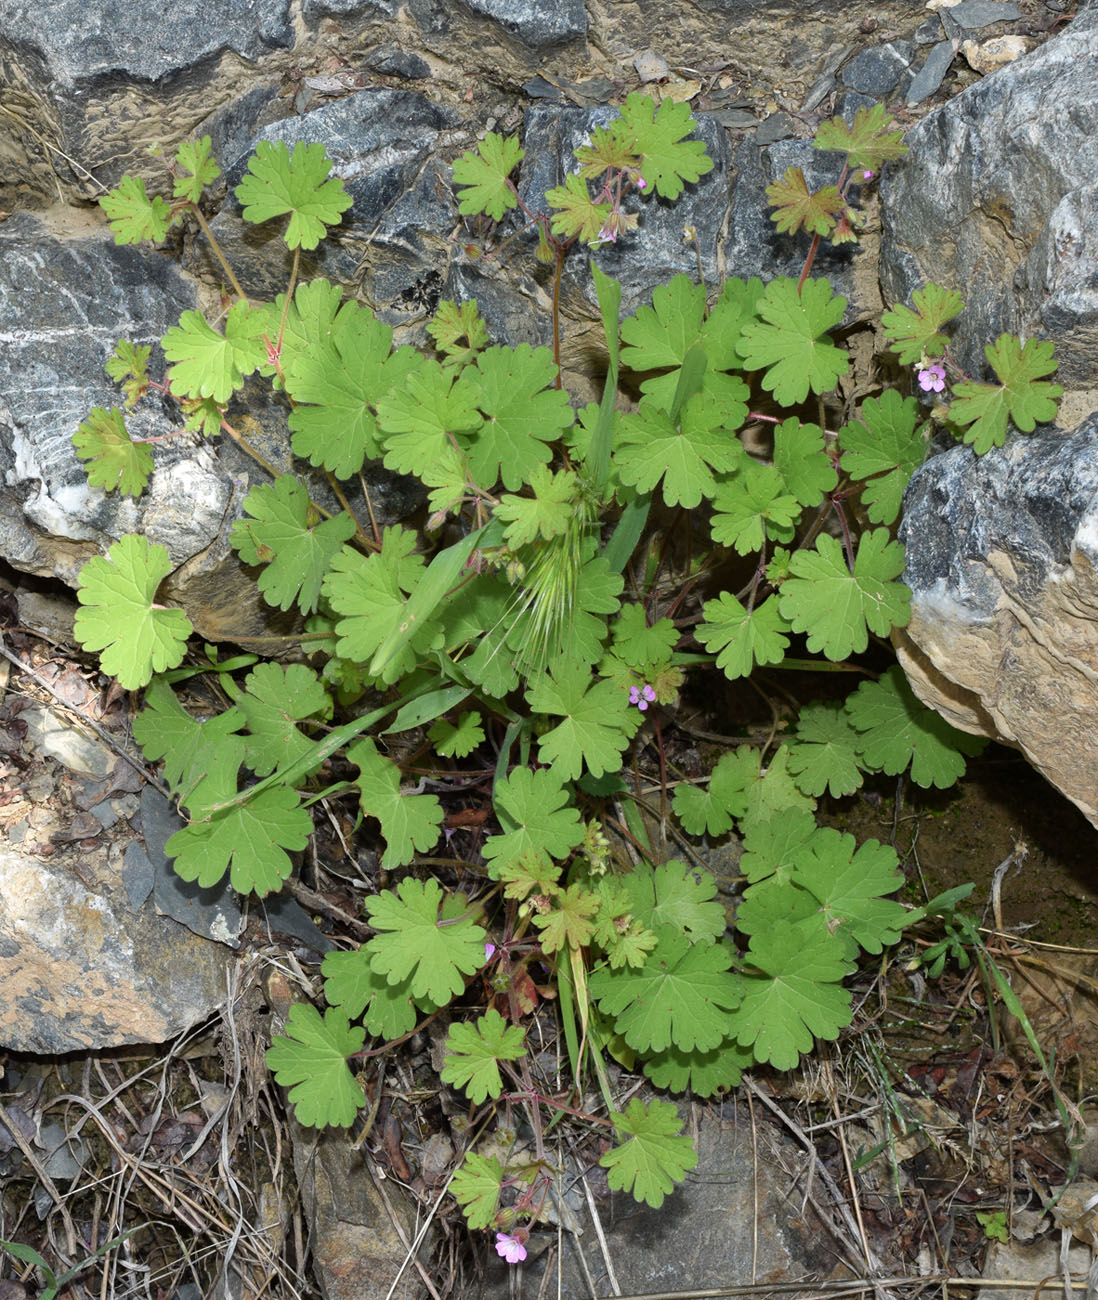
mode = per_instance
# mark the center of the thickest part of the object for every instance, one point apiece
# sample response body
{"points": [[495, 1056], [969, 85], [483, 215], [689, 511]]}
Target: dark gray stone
{"points": [[527, 27], [735, 119], [974, 14], [284, 914], [929, 32], [59, 337], [137, 874], [212, 912], [1002, 557], [656, 251], [381, 144], [395, 62], [534, 22], [877, 71], [507, 304], [314, 10], [931, 75], [997, 199], [80, 42], [825, 79], [232, 129], [778, 126]]}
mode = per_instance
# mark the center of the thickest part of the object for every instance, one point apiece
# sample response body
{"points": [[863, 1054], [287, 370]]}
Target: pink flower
{"points": [[932, 378], [489, 951], [510, 1248], [641, 697], [867, 176]]}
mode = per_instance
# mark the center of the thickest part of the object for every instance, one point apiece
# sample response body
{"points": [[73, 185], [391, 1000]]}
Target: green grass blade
{"points": [[441, 575], [623, 541]]}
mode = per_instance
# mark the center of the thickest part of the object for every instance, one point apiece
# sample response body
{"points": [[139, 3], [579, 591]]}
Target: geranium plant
{"points": [[549, 644]]}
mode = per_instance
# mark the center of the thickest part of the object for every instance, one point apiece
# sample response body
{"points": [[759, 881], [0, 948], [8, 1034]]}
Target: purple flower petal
{"points": [[510, 1248], [932, 378]]}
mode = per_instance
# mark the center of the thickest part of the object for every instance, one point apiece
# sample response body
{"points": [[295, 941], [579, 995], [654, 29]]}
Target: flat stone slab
{"points": [[79, 969]]}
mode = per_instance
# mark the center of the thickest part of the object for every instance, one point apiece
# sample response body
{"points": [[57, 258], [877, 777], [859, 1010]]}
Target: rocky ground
{"points": [[901, 1154]]}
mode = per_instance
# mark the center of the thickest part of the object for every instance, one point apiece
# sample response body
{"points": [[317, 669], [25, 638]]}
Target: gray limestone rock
{"points": [[535, 23], [998, 199], [95, 82], [382, 144], [391, 61], [51, 377], [212, 911], [80, 968], [931, 75], [730, 1219], [974, 14], [81, 43], [878, 71], [1002, 556], [315, 10], [59, 337]]}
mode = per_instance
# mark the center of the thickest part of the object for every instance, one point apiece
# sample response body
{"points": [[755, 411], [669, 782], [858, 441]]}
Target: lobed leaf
{"points": [[209, 364], [537, 821], [409, 822], [798, 208], [483, 176], [667, 159], [867, 141], [787, 342], [311, 1060], [132, 215], [279, 182], [798, 996], [654, 1157], [838, 607], [885, 447], [116, 462], [473, 1053], [1019, 397], [680, 996], [416, 942], [896, 729], [918, 333], [295, 553], [194, 156], [741, 638], [117, 614]]}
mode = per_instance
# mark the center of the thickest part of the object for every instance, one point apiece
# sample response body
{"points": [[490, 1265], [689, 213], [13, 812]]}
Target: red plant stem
{"points": [[808, 262], [558, 267], [848, 541], [535, 1096]]}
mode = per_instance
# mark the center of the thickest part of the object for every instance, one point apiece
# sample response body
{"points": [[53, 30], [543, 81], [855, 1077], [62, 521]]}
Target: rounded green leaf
{"points": [[117, 615]]}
